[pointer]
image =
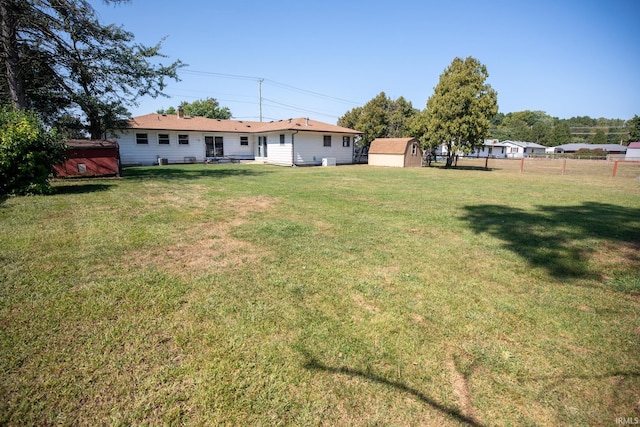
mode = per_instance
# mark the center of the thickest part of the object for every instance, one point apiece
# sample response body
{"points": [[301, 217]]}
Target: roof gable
{"points": [[634, 145], [390, 145]]}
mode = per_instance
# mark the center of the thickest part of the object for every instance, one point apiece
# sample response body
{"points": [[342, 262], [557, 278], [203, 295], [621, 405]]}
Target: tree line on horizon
{"points": [[384, 117]]}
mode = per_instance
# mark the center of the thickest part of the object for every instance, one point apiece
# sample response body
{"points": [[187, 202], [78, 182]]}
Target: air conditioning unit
{"points": [[328, 161]]}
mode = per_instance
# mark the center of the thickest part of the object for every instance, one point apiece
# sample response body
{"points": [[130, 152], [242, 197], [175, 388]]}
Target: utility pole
{"points": [[260, 95]]}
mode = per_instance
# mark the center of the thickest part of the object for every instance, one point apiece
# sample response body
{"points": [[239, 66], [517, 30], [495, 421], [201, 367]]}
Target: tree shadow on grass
{"points": [[189, 172], [559, 238], [313, 364], [80, 188]]}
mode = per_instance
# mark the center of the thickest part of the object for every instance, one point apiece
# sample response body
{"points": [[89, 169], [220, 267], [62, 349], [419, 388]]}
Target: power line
{"points": [[310, 92], [274, 83], [228, 76], [297, 108]]}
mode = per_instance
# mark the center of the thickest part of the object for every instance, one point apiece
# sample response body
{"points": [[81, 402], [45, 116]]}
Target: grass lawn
{"points": [[258, 295]]}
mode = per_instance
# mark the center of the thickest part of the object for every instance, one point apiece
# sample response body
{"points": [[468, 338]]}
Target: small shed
{"points": [[90, 158], [395, 152], [633, 151]]}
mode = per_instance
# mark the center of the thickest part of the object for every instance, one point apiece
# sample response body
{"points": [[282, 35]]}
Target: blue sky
{"points": [[320, 59]]}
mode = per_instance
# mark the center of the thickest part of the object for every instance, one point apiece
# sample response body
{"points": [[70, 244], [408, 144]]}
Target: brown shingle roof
{"points": [[389, 145], [188, 123]]}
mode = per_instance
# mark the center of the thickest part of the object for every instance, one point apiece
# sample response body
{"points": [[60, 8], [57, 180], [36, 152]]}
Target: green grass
{"points": [[259, 295]]}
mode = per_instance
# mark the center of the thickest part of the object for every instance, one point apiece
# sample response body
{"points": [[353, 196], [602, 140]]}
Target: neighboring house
{"points": [[491, 148], [572, 148], [520, 149], [90, 158], [633, 151], [184, 139], [396, 152]]}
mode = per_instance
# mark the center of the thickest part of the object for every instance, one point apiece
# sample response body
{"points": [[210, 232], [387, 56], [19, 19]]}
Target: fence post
{"points": [[564, 166], [522, 165], [615, 168], [486, 163]]}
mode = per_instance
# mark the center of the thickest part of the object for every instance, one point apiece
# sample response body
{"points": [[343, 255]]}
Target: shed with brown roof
{"points": [[395, 152]]}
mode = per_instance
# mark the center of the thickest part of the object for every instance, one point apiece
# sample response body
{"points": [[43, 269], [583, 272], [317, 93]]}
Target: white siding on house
{"points": [[633, 154], [147, 154], [279, 154], [310, 149]]}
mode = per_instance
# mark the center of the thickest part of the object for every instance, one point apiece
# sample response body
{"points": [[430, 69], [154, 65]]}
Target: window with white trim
{"points": [[346, 141], [327, 141], [281, 139], [244, 140], [142, 138], [183, 139], [163, 138]]}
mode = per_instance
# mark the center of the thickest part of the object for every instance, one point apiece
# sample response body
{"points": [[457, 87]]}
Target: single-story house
{"points": [[520, 149], [633, 151], [396, 152], [90, 158], [177, 138], [572, 148], [491, 148]]}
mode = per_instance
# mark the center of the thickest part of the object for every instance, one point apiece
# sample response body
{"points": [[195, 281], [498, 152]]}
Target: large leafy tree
{"points": [[209, 108], [381, 117], [459, 113], [58, 59], [634, 129], [561, 134]]}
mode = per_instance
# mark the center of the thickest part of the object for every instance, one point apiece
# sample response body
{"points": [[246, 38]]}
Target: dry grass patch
{"points": [[207, 246]]}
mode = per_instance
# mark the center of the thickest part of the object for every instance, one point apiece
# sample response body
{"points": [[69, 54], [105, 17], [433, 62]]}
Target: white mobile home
{"points": [[491, 148], [520, 149], [633, 151]]}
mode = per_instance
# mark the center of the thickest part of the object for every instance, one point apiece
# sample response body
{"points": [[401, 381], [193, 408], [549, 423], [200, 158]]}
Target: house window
{"points": [[183, 139], [244, 140], [414, 149], [142, 138], [163, 138], [282, 139], [327, 140], [346, 141]]}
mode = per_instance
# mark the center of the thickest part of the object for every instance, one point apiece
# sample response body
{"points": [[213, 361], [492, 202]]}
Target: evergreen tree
{"points": [[58, 59]]}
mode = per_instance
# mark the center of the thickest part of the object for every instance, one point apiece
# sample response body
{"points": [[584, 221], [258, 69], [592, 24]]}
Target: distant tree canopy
{"points": [[381, 117], [634, 129], [60, 61], [539, 127], [209, 108]]}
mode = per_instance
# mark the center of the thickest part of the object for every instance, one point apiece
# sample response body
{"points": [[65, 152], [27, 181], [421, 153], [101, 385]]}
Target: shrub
{"points": [[596, 152], [28, 153]]}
